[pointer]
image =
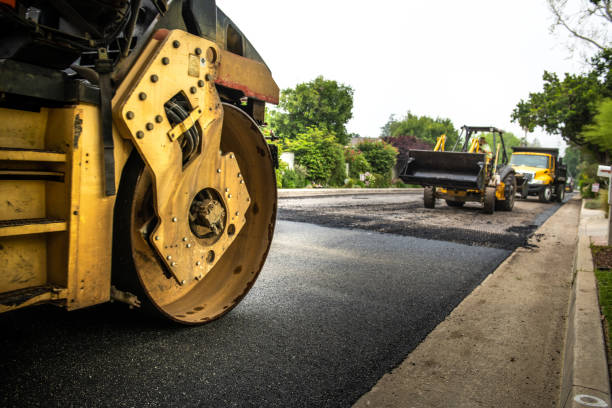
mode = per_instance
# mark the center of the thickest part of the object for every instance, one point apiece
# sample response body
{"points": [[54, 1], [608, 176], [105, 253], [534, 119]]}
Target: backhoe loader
{"points": [[132, 167], [469, 174]]}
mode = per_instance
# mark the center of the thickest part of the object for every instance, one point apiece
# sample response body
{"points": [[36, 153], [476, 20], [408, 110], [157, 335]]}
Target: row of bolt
{"points": [[154, 78]]}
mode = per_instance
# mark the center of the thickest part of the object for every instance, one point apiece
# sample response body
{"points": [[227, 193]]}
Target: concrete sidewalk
{"points": [[585, 380], [504, 345]]}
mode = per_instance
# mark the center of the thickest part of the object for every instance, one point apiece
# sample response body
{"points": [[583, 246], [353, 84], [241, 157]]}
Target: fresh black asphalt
{"points": [[333, 311]]}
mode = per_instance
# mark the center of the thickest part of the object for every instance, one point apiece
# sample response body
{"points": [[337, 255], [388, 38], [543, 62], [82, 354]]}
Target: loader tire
{"points": [[509, 193], [429, 197], [452, 203], [489, 200]]}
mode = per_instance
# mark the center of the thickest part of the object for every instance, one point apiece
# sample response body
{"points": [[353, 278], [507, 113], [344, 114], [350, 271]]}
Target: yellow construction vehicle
{"points": [[132, 166], [539, 172], [471, 174]]}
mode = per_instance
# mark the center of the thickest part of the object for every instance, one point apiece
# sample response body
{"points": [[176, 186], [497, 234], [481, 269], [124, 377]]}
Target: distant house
{"points": [[356, 140], [289, 158]]}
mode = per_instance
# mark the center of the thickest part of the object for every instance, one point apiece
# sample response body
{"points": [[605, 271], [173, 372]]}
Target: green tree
{"points": [[422, 127], [510, 141], [381, 156], [321, 103], [600, 132], [563, 107], [572, 159], [318, 151]]}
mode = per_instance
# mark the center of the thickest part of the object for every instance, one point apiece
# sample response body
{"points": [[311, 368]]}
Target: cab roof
{"points": [[542, 150]]}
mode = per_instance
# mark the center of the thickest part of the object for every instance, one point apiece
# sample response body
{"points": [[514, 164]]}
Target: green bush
{"points": [[400, 184], [319, 153], [355, 183], [282, 167], [295, 178], [381, 181], [358, 164], [381, 156], [338, 174]]}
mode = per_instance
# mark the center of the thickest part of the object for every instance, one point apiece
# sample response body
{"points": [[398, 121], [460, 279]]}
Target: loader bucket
{"points": [[454, 170]]}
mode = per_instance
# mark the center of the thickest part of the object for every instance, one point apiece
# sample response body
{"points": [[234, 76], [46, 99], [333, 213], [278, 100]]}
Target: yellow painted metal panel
{"points": [[31, 228], [22, 262], [22, 199], [22, 129], [31, 155]]}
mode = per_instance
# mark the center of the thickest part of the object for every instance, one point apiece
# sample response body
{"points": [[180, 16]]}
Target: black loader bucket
{"points": [[454, 170]]}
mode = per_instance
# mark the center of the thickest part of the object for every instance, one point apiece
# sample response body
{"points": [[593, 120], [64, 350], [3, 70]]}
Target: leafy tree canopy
{"points": [[381, 156], [600, 132], [423, 128], [321, 103], [563, 107], [571, 159], [510, 141], [318, 151]]}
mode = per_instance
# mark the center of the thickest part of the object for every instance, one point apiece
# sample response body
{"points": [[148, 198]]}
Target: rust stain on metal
{"points": [[78, 129], [247, 92]]}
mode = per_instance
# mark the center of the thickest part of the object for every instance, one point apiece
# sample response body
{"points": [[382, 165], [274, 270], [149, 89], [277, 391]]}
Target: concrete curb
{"points": [[317, 192], [584, 379]]}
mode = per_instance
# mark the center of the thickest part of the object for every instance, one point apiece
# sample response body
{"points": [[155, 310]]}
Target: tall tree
{"points": [[589, 24], [572, 159], [563, 107], [600, 132], [321, 103], [568, 107], [423, 128]]}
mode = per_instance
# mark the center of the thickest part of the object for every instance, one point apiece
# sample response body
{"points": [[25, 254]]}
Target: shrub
{"points": [[380, 155], [295, 178], [319, 153], [381, 181], [358, 164], [338, 174], [355, 183]]}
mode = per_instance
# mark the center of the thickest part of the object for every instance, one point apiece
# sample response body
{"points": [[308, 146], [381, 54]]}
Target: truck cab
{"points": [[539, 172]]}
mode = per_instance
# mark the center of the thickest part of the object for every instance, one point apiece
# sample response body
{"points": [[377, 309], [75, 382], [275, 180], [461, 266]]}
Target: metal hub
{"points": [[207, 215]]}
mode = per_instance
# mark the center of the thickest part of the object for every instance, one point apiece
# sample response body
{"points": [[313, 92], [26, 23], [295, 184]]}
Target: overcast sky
{"points": [[470, 61]]}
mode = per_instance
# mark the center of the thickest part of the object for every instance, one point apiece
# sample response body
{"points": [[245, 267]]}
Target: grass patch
{"points": [[593, 204], [604, 285], [602, 256]]}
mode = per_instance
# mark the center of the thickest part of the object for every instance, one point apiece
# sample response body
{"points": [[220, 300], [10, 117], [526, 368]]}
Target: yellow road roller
{"points": [[132, 166]]}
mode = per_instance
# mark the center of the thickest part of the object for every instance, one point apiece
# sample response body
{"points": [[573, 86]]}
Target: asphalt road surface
{"points": [[333, 310]]}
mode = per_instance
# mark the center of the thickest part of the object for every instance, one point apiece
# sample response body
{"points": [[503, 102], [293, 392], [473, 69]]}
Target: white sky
{"points": [[470, 61]]}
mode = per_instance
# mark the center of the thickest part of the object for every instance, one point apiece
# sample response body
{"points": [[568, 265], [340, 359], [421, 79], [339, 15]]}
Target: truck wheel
{"points": [[429, 197], [509, 192], [489, 200], [452, 203], [545, 194], [560, 193]]}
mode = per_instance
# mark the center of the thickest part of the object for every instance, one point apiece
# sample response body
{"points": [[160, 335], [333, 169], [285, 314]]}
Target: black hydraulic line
{"points": [[131, 26]]}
